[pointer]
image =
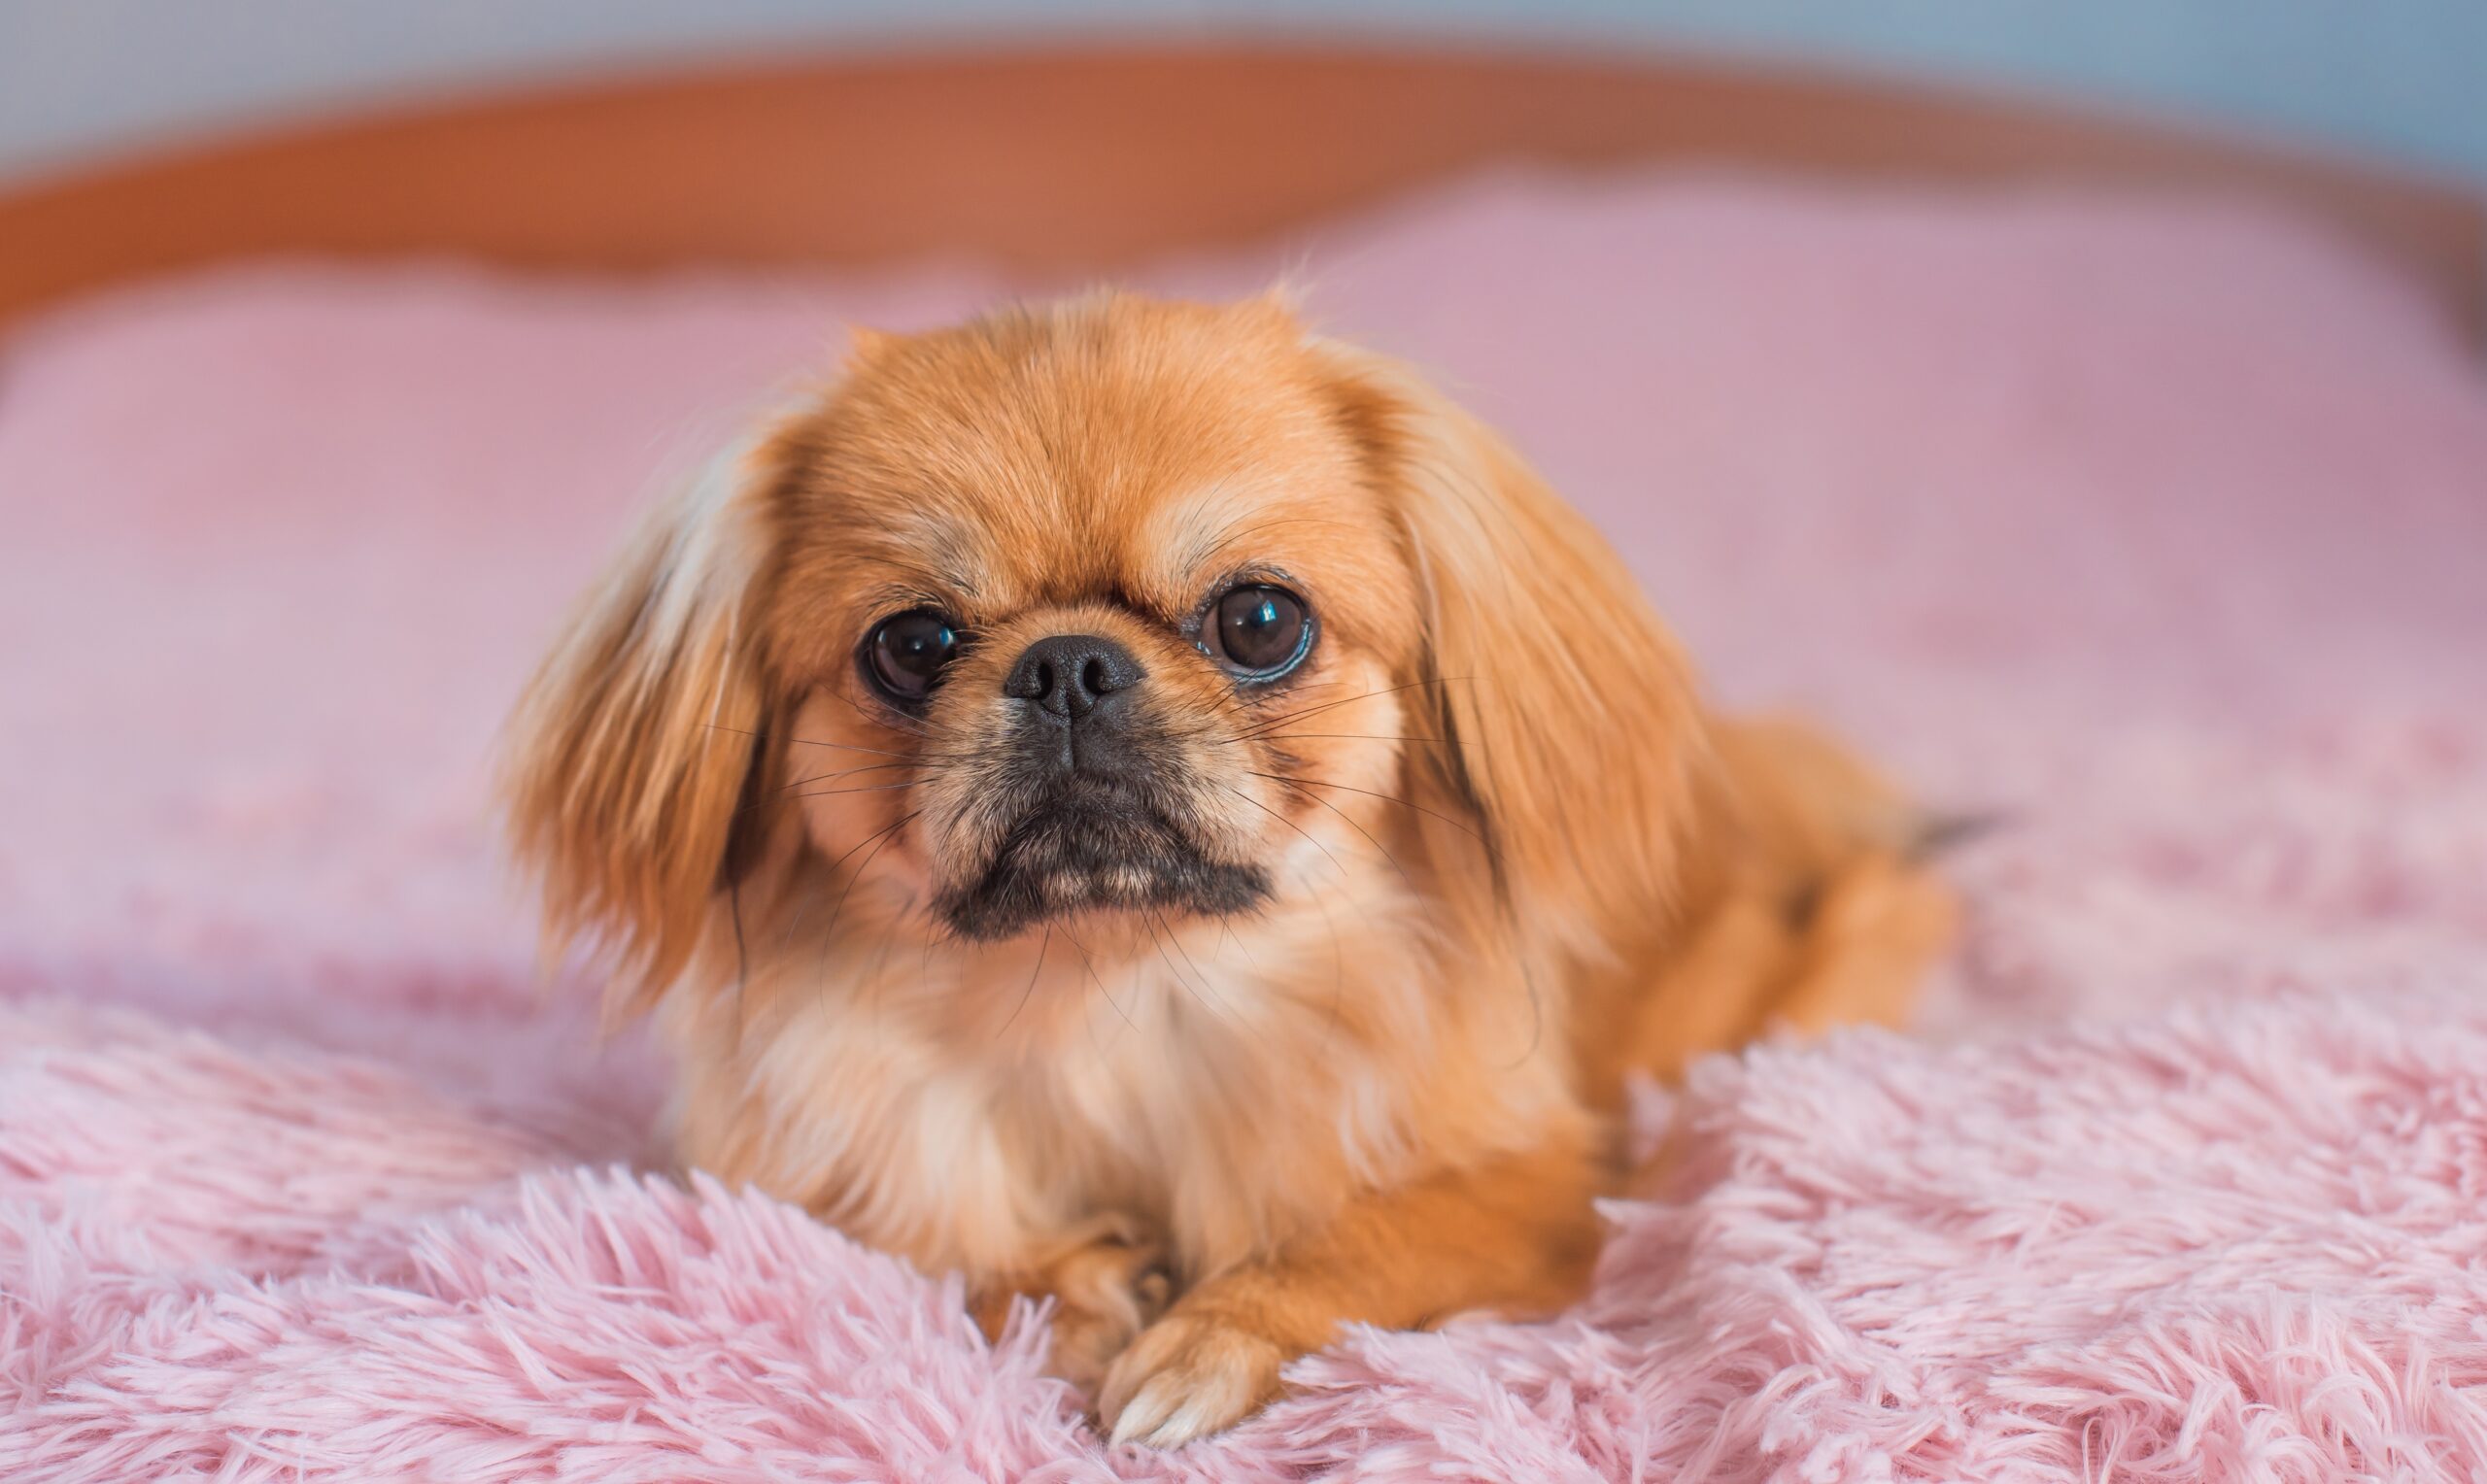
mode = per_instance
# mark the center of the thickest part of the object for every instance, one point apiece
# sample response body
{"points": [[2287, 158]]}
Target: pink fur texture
{"points": [[2157, 527]]}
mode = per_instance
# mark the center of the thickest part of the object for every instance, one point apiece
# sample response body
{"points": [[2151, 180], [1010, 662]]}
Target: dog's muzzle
{"points": [[1093, 824]]}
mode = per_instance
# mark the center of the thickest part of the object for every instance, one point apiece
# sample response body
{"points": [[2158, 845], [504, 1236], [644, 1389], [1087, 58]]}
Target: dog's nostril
{"points": [[1067, 675]]}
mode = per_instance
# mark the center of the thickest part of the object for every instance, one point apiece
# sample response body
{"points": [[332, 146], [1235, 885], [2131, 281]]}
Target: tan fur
{"points": [[1513, 861]]}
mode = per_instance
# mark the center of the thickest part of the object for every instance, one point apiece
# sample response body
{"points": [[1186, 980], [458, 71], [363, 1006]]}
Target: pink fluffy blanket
{"points": [[2162, 527]]}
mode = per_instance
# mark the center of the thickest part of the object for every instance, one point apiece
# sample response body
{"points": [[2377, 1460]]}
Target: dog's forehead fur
{"points": [[1107, 448]]}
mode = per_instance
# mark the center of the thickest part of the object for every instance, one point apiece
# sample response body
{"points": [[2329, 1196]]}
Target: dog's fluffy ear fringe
{"points": [[1562, 712], [626, 757]]}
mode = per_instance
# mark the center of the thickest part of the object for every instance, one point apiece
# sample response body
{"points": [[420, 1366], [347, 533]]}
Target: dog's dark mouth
{"points": [[1093, 850]]}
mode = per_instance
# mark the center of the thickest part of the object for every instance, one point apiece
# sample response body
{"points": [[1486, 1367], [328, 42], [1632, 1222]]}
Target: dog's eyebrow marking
{"points": [[955, 569], [1218, 535], [1195, 511], [943, 549], [898, 595]]}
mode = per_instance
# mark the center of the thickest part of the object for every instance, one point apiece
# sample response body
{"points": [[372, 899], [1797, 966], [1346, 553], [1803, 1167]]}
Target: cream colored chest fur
{"points": [[1217, 1086]]}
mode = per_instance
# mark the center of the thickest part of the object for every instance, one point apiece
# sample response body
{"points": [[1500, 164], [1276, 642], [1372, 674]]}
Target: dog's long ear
{"points": [[630, 752], [1563, 714]]}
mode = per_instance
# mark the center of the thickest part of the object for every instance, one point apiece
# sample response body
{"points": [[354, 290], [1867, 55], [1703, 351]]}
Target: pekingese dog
{"points": [[1157, 810]]}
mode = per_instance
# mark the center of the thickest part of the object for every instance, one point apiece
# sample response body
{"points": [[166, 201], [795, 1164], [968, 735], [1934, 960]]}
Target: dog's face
{"points": [[1089, 611], [1116, 608]]}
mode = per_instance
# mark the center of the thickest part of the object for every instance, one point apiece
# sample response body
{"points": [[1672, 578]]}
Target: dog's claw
{"points": [[1186, 1378]]}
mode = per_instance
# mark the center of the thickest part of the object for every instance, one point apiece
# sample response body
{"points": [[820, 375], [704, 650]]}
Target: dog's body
{"points": [[1017, 905]]}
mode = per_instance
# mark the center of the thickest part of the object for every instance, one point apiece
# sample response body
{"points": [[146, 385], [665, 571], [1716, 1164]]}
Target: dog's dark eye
{"points": [[905, 654], [1258, 630]]}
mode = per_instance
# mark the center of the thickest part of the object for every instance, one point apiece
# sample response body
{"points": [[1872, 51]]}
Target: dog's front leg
{"points": [[1514, 1234]]}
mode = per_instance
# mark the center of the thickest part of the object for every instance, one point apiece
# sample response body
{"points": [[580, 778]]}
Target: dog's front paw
{"points": [[1101, 1314], [1106, 1288], [1186, 1377]]}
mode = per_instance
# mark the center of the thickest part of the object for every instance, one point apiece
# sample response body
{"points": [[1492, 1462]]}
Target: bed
{"points": [[2127, 481]]}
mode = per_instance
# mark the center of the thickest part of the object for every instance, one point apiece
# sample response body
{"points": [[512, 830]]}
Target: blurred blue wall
{"points": [[2403, 80]]}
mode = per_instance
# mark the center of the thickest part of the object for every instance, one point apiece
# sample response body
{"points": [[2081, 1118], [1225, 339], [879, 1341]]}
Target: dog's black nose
{"points": [[1071, 675]]}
